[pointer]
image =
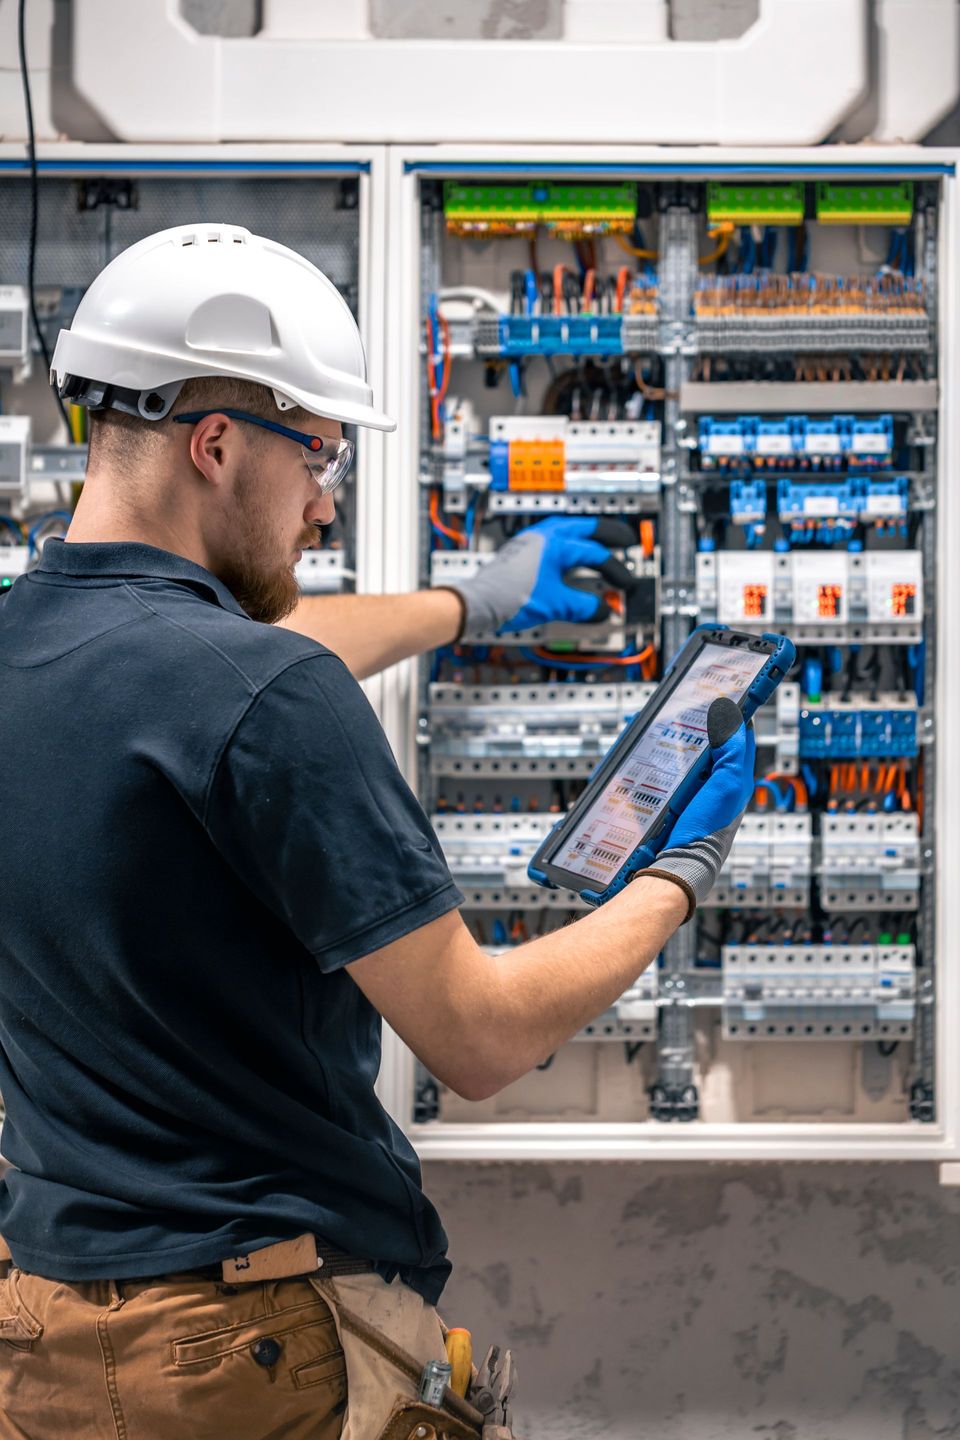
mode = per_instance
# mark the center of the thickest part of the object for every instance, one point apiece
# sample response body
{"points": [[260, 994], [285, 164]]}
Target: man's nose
{"points": [[320, 511]]}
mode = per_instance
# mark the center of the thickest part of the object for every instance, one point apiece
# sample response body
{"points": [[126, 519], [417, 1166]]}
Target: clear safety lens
{"points": [[328, 461]]}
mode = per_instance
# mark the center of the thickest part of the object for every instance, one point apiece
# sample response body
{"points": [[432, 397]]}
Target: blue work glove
{"points": [[700, 841], [524, 584]]}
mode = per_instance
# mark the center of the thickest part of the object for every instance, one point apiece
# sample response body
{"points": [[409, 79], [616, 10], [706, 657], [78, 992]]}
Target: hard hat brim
{"points": [[345, 411]]}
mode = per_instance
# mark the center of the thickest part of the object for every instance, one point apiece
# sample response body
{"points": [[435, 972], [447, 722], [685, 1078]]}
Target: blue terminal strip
{"points": [[499, 464], [799, 442], [561, 335], [847, 734], [825, 512], [748, 502]]}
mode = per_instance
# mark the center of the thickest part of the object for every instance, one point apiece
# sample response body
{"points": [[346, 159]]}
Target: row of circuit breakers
{"points": [[819, 482]]}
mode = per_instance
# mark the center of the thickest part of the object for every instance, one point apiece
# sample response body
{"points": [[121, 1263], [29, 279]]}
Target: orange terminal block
{"points": [[537, 465]]}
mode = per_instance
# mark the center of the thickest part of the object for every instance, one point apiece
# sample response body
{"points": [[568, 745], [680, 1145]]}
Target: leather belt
{"points": [[307, 1255]]}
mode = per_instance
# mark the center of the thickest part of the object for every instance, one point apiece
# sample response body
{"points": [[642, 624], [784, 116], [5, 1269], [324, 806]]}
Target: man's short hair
{"points": [[118, 439]]}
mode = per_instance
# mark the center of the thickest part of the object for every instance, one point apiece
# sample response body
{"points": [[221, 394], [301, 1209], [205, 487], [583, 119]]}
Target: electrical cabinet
{"points": [[756, 388], [327, 202]]}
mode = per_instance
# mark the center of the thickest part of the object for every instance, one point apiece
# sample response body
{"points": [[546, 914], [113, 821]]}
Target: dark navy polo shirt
{"points": [[203, 824]]}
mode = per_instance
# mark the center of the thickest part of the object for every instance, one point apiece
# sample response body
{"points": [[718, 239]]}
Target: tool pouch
{"points": [[414, 1420], [387, 1332]]}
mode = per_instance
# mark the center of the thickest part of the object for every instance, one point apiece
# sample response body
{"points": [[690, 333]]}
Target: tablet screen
{"points": [[639, 789]]}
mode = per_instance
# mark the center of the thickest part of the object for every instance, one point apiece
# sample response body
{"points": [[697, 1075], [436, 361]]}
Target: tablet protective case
{"points": [[775, 669]]}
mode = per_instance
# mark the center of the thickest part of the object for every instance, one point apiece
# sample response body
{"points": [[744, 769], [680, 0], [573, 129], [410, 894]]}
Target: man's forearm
{"points": [[371, 632], [550, 988], [478, 1021]]}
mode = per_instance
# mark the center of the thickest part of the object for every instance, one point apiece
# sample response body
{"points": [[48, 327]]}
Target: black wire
{"points": [[34, 206]]}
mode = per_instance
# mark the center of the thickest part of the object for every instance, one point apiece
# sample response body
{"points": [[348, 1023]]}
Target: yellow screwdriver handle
{"points": [[460, 1355]]}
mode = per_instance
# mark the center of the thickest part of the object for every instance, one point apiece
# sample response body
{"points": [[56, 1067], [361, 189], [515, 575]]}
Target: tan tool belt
{"points": [[388, 1333]]}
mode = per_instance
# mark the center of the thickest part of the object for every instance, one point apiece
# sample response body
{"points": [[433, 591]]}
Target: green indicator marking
{"points": [[755, 204], [541, 203], [865, 204]]}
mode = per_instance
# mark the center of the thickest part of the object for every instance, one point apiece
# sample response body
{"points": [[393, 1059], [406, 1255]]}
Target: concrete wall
{"points": [[720, 1302]]}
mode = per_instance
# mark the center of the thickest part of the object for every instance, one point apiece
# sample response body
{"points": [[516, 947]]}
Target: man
{"points": [[215, 882]]}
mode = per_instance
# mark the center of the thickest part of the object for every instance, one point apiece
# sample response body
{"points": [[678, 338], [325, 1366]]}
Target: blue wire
{"points": [[516, 379], [445, 542], [782, 799], [12, 525], [50, 515], [770, 243]]}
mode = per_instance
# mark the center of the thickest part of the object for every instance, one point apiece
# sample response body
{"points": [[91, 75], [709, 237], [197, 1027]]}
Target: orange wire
{"points": [[437, 393], [623, 275], [624, 244], [647, 538], [447, 358], [598, 660], [558, 273], [431, 383], [589, 280], [444, 529]]}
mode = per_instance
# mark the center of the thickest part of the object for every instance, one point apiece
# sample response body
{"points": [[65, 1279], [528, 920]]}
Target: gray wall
{"points": [[707, 1302]]}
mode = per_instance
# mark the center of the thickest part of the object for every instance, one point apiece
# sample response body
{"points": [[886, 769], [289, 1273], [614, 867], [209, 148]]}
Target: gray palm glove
{"points": [[524, 586], [701, 839]]}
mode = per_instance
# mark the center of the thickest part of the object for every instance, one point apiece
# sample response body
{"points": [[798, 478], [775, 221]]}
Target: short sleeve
{"points": [[308, 807]]}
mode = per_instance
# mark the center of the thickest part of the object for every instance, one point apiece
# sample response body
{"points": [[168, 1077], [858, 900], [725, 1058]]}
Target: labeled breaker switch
{"points": [[870, 862], [525, 730], [770, 864], [15, 331], [15, 456], [832, 596], [819, 992]]}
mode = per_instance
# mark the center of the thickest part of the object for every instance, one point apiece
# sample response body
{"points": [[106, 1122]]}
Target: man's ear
{"points": [[210, 446]]}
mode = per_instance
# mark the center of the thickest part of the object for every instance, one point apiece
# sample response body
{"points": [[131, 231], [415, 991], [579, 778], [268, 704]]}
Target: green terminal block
{"points": [[479, 205], [755, 204], [865, 204]]}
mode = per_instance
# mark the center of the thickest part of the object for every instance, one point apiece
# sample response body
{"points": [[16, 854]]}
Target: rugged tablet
{"points": [[624, 816]]}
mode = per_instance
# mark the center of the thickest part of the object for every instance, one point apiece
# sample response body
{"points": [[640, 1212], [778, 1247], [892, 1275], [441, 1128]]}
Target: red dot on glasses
{"points": [[315, 444]]}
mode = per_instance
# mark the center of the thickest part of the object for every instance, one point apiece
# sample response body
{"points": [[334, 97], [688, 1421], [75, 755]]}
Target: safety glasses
{"points": [[327, 460]]}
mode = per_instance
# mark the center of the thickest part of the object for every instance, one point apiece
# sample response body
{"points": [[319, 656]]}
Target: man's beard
{"points": [[267, 592]]}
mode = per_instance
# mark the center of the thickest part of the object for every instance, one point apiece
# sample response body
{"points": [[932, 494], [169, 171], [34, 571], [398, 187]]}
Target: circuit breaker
{"points": [[756, 390]]}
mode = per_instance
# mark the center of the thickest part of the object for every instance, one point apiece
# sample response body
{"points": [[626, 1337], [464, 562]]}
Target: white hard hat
{"points": [[214, 300]]}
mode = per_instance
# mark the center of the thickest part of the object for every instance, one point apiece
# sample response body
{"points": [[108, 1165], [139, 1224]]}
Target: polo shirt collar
{"points": [[133, 560]]}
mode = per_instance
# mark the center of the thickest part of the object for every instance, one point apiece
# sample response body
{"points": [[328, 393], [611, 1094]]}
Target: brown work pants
{"points": [[186, 1359]]}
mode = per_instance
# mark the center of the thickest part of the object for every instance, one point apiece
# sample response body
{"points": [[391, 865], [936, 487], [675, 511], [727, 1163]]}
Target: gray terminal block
{"points": [[527, 730], [819, 992]]}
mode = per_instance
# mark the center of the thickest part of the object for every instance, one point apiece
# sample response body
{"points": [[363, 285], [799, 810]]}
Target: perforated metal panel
{"points": [[300, 211], [308, 213], [71, 246]]}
